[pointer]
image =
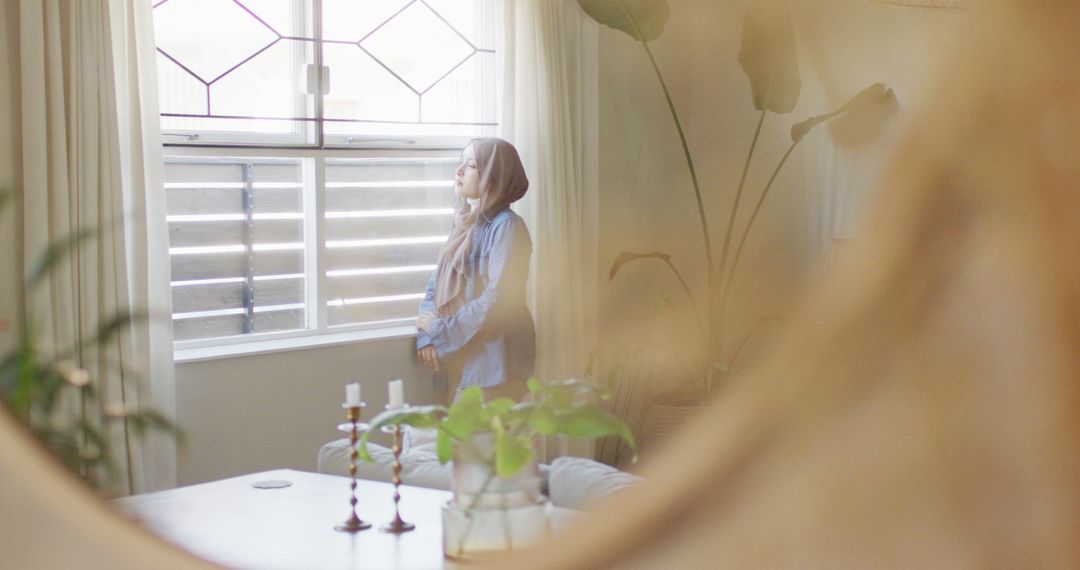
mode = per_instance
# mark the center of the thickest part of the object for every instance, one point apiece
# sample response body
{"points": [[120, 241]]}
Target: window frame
{"points": [[310, 143]]}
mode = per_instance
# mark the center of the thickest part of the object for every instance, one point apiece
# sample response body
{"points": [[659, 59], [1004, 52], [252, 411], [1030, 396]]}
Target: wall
{"points": [[255, 413], [647, 201]]}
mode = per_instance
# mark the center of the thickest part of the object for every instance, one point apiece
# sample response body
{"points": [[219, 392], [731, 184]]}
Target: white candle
{"points": [[352, 395], [397, 394]]}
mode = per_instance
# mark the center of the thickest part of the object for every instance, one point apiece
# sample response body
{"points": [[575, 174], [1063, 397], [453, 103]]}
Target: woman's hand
{"points": [[429, 357], [425, 321]]}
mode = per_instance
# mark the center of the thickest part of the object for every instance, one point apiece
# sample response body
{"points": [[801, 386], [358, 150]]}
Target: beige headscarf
{"points": [[502, 182]]}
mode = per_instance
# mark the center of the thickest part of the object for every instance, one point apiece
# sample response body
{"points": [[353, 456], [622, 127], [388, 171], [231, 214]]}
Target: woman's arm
{"points": [[427, 305], [507, 273]]}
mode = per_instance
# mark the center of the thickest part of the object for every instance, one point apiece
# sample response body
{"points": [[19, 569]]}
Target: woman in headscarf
{"points": [[474, 328]]}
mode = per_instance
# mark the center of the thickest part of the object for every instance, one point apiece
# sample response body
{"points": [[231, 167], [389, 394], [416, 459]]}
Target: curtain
{"points": [[91, 161], [550, 113]]}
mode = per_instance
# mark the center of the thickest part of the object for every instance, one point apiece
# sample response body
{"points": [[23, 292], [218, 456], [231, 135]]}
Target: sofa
{"points": [[570, 482]]}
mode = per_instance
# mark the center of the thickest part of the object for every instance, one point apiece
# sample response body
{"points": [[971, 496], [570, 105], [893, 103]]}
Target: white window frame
{"points": [[313, 148]]}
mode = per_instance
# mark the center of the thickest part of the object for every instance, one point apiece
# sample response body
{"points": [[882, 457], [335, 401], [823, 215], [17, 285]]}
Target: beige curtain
{"points": [[550, 113], [90, 161]]}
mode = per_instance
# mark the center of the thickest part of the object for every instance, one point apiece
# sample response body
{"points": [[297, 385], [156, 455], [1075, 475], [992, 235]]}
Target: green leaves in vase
{"points": [[554, 409]]}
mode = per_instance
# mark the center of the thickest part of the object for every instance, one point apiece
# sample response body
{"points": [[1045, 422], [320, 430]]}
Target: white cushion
{"points": [[419, 440], [576, 482], [418, 467]]}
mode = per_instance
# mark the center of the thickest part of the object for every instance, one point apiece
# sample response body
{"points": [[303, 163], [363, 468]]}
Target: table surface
{"points": [[231, 523]]}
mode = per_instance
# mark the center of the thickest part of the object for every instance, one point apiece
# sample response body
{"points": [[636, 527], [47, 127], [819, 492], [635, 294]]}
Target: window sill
{"points": [[186, 355]]}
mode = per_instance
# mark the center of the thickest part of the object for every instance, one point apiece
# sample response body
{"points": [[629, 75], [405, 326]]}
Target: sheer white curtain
{"points": [[549, 113], [91, 160]]}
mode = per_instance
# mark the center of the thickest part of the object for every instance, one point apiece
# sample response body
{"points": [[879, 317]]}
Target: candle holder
{"points": [[353, 427], [397, 526]]}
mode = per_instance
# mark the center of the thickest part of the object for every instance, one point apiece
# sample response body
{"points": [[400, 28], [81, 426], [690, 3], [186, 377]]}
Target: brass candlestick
{"points": [[397, 526], [353, 524]]}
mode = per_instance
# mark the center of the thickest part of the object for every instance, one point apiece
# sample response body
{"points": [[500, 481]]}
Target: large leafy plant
{"points": [[768, 58], [53, 393], [561, 408]]}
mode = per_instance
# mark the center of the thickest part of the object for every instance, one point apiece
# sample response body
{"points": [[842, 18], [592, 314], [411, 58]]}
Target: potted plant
{"points": [[497, 502], [51, 391], [768, 58]]}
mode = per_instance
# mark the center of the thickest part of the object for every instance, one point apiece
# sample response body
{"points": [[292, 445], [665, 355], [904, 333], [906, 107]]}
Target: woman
{"points": [[474, 328]]}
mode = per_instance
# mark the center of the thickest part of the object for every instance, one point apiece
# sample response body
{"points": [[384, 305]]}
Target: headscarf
{"points": [[502, 182]]}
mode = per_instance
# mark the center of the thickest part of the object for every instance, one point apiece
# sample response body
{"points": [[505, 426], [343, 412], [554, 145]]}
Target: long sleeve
{"points": [[506, 275], [427, 305]]}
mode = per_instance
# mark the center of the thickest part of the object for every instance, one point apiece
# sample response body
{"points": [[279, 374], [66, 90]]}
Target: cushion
{"points": [[418, 467], [576, 482], [570, 482], [418, 440]]}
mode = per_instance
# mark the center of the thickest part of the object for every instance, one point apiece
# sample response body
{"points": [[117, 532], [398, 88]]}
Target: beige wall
{"points": [[254, 413], [647, 201], [9, 158]]}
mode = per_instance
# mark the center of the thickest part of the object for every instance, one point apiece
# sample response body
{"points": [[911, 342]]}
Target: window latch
{"points": [[186, 136], [311, 79]]}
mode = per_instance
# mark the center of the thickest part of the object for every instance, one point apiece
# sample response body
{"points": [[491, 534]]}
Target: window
{"points": [[309, 155]]}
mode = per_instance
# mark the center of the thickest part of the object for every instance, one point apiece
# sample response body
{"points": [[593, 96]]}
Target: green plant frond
{"points": [[544, 421], [423, 417], [501, 406], [534, 385], [512, 453], [875, 95], [470, 396], [642, 20], [152, 419], [630, 256], [768, 56], [95, 449], [54, 254], [444, 446], [594, 422], [114, 325]]}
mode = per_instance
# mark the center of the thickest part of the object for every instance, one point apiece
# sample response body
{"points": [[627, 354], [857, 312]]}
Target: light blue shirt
{"points": [[492, 336]]}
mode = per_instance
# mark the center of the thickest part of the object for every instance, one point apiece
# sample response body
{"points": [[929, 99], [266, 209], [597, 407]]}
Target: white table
{"points": [[231, 523]]}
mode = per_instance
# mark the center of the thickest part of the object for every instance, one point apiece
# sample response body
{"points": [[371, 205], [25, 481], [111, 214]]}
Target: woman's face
{"points": [[467, 177]]}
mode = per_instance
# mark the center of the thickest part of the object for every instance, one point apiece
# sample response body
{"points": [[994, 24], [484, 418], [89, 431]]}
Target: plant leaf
{"points": [[642, 20], [868, 111], [768, 56], [512, 453], [594, 422], [543, 420], [54, 254], [500, 406], [628, 256], [423, 417], [865, 118], [444, 445], [534, 385]]}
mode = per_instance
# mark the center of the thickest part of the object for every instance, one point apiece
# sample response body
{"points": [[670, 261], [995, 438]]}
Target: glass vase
{"points": [[489, 515]]}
